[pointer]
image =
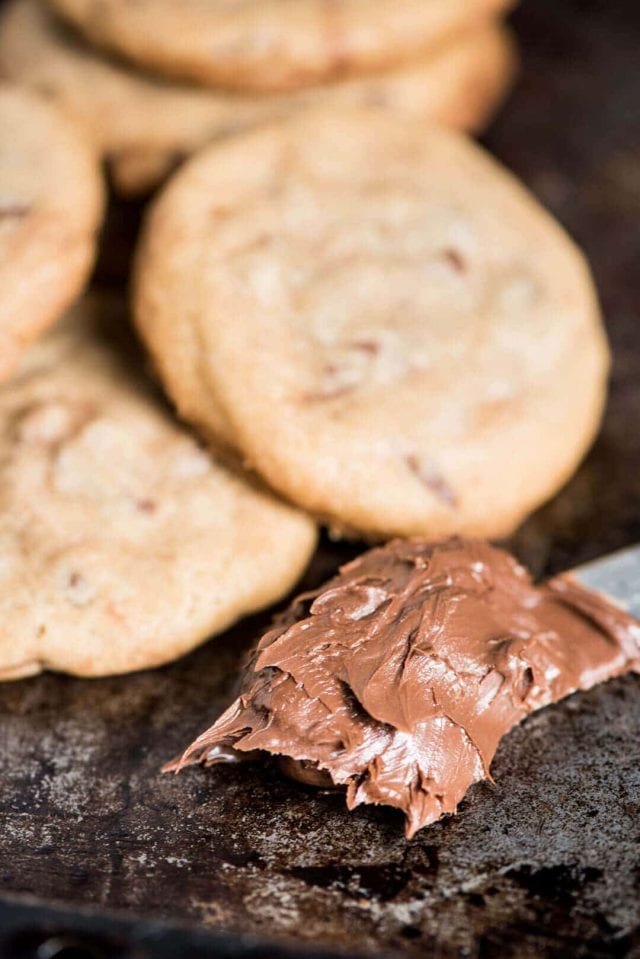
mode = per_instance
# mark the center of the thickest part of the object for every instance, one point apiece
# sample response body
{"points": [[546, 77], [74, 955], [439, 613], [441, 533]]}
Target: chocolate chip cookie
{"points": [[401, 339]]}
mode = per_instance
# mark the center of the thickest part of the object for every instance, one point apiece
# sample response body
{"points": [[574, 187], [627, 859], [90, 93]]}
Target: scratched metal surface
{"points": [[544, 863]]}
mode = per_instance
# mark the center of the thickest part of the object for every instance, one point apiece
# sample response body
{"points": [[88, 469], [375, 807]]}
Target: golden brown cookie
{"points": [[272, 44], [124, 544], [51, 202], [401, 339], [145, 125]]}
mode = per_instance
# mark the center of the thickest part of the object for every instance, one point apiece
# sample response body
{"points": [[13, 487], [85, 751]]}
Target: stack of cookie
{"points": [[167, 76], [366, 321]]}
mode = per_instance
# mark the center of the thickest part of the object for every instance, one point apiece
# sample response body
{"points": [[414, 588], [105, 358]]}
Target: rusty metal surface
{"points": [[544, 863]]}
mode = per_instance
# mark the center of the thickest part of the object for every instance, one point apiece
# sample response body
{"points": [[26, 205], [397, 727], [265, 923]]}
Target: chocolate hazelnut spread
{"points": [[399, 677]]}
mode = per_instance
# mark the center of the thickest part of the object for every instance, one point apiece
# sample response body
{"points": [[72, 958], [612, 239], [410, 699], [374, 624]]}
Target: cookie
{"points": [[145, 126], [402, 340], [270, 44], [51, 203], [124, 544]]}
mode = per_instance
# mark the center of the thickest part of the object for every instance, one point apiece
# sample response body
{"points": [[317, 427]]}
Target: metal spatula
{"points": [[616, 575]]}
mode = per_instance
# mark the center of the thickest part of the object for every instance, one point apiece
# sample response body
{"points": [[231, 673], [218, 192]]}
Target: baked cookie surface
{"points": [[124, 544], [402, 339], [271, 44], [144, 125], [51, 203]]}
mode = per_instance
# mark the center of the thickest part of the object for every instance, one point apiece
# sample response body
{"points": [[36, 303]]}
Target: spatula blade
{"points": [[617, 575]]}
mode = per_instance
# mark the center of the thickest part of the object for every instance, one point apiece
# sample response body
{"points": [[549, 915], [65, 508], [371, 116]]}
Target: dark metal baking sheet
{"points": [[30, 929], [544, 863]]}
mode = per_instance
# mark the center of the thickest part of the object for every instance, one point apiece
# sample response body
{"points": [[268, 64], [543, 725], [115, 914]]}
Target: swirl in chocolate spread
{"points": [[399, 677]]}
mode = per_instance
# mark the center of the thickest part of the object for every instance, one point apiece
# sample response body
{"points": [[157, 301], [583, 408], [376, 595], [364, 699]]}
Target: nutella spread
{"points": [[399, 677]]}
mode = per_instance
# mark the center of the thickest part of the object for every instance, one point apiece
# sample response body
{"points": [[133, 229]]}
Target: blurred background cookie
{"points": [[51, 204], [402, 341], [270, 44], [145, 125]]}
